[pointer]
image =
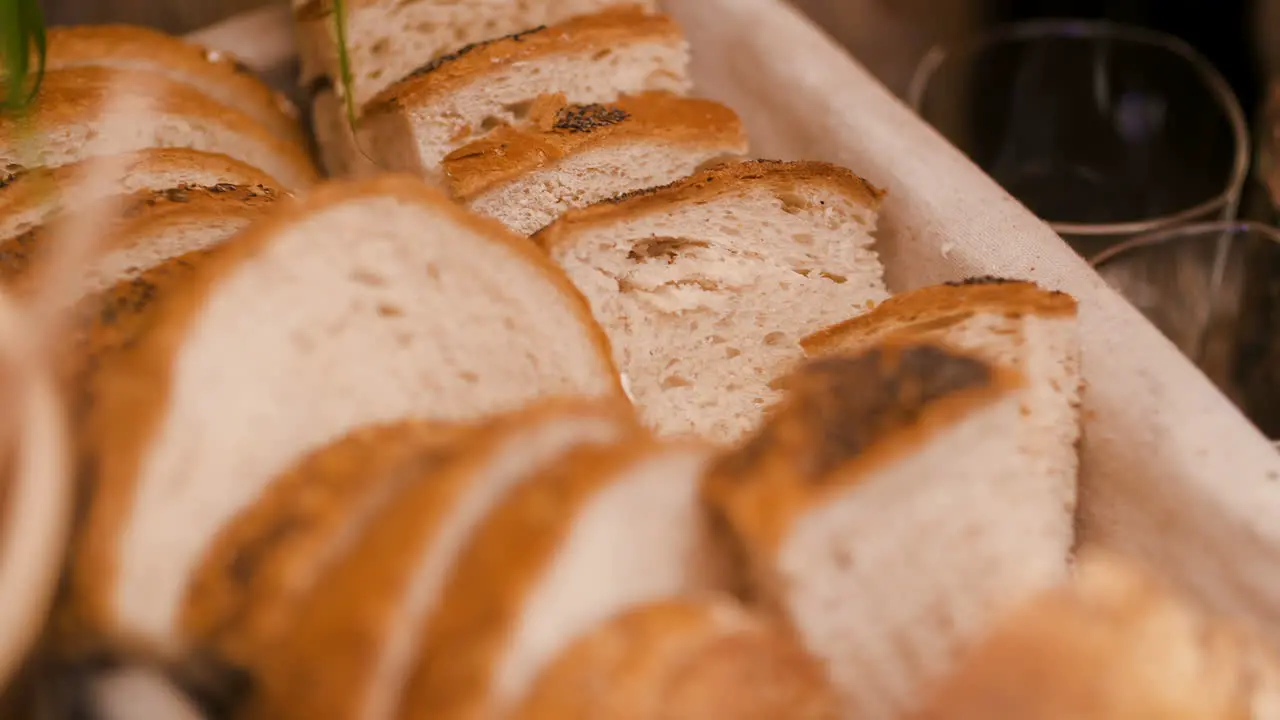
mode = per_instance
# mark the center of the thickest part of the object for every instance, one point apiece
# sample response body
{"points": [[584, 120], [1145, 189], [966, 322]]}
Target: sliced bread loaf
{"points": [[460, 97], [570, 155], [154, 225], [605, 530], [1114, 644], [1016, 324], [269, 556], [30, 197], [397, 570], [706, 286], [686, 659], [362, 303], [885, 512], [388, 39], [66, 123], [213, 73]]}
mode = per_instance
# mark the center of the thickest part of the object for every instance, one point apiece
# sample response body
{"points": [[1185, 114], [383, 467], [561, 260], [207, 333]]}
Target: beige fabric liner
{"points": [[1171, 472]]}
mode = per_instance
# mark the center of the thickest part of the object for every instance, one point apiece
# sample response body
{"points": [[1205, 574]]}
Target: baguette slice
{"points": [[571, 155], [458, 98], [36, 492], [885, 512], [682, 659], [606, 530], [387, 40], [214, 73], [64, 124], [349, 654], [271, 555], [1114, 644], [155, 225], [339, 153], [30, 197], [1017, 324], [363, 303], [707, 285]]}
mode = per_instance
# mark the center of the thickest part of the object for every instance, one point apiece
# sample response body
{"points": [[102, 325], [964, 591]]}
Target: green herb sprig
{"points": [[344, 59], [22, 35]]}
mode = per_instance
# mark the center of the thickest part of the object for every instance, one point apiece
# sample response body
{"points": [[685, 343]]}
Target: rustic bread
{"points": [[401, 564], [30, 197], [36, 493], [339, 154], [1017, 324], [884, 511], [154, 225], [706, 286], [458, 98], [1114, 644], [605, 530], [569, 156], [686, 659], [85, 112], [362, 303], [212, 72], [387, 40], [269, 556]]}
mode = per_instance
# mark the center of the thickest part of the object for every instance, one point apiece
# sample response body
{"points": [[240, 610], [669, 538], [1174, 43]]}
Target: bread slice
{"points": [[212, 72], [387, 40], [1114, 644], [65, 124], [340, 155], [707, 285], [605, 530], [461, 97], [30, 197], [155, 225], [270, 556], [401, 564], [1014, 323], [362, 303], [885, 511], [36, 492], [684, 658], [570, 155]]}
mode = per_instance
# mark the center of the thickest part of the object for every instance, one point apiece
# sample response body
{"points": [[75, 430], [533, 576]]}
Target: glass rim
{"points": [[1022, 31], [1181, 232]]}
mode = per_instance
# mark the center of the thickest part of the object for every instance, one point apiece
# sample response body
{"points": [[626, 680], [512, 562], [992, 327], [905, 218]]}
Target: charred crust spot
{"points": [[585, 118], [223, 188], [838, 407], [984, 280], [465, 50]]}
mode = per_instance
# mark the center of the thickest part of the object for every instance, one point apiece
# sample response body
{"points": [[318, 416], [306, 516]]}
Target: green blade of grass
{"points": [[22, 35], [344, 60]]}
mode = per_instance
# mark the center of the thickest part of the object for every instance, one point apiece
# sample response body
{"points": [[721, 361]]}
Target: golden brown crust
{"points": [[558, 130], [938, 307], [131, 386], [581, 35], [308, 675], [142, 215], [269, 555], [147, 49], [682, 659], [23, 190], [486, 591], [1114, 644], [76, 96], [779, 177], [842, 417]]}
